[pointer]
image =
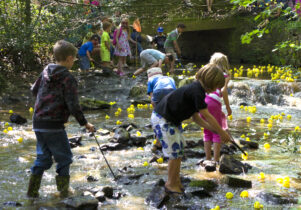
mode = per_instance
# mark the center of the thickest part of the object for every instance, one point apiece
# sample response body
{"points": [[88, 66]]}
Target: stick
{"points": [[104, 157], [236, 145]]}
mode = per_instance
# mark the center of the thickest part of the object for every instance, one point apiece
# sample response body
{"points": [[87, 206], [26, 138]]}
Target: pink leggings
{"points": [[215, 109]]}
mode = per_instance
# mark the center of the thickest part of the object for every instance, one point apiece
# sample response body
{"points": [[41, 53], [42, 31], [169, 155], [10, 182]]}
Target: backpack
{"points": [[115, 35]]}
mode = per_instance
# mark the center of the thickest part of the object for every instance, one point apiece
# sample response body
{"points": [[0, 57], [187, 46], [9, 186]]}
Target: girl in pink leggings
{"points": [[214, 103]]}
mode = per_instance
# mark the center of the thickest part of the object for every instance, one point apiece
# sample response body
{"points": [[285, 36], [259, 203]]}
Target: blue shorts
{"points": [[84, 62], [56, 145], [169, 135]]}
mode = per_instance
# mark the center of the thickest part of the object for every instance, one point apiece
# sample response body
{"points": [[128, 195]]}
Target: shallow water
{"points": [[17, 158]]}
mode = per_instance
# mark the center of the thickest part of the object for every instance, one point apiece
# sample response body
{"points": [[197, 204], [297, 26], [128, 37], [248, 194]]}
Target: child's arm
{"points": [[160, 63], [212, 122], [225, 96], [89, 55], [35, 87], [202, 123]]}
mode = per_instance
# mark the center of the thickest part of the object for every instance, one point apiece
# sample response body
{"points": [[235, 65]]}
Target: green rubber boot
{"points": [[34, 186], [62, 183]]}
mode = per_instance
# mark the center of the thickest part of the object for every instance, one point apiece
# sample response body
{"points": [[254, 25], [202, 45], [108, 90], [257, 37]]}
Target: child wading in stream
{"points": [[183, 103], [214, 104], [56, 92]]}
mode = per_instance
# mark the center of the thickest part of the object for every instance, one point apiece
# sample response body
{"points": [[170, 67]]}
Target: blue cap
{"points": [[160, 29]]}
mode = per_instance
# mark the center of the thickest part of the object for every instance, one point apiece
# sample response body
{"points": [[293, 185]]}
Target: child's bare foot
{"points": [[173, 189]]}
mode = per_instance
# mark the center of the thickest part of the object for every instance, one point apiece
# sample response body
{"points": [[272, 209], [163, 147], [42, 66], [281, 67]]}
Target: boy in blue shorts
{"points": [[56, 98], [85, 51]]}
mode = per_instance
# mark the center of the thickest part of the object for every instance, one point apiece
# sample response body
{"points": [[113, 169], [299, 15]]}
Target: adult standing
{"points": [[171, 44], [153, 58]]}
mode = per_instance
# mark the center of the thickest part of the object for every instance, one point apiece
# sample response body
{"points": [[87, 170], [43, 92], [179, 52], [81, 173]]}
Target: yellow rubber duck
{"points": [[229, 195], [262, 121], [230, 117], [118, 122], [261, 176], [5, 131], [10, 111], [10, 128], [107, 117], [6, 124], [131, 116], [145, 164], [243, 136], [20, 140], [247, 139], [138, 133], [112, 103], [244, 194], [248, 119], [216, 208], [267, 146], [160, 160], [30, 110], [155, 142], [289, 117], [140, 148], [151, 106], [257, 205], [279, 180], [245, 157]]}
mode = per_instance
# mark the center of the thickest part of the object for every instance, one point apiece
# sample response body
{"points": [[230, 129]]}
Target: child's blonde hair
{"points": [[221, 60], [211, 77]]}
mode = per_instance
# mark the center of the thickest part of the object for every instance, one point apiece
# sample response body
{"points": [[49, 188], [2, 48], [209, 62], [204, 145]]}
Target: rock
{"points": [[129, 128], [229, 165], [126, 180], [121, 135], [108, 191], [93, 104], [157, 197], [161, 183], [87, 193], [198, 191], [103, 132], [81, 202], [93, 149], [192, 144], [209, 165], [194, 154], [237, 182], [112, 147], [12, 203], [138, 141], [249, 144], [208, 185], [92, 179], [18, 119], [140, 101], [75, 141], [82, 157], [277, 199], [138, 90], [227, 150], [100, 196], [126, 125]]}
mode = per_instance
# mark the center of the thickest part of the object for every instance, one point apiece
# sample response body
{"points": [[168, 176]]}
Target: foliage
{"points": [[270, 19], [28, 30]]}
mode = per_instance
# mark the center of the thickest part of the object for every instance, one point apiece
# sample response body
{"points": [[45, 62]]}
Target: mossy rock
{"points": [[206, 184], [186, 81], [138, 90], [93, 104]]}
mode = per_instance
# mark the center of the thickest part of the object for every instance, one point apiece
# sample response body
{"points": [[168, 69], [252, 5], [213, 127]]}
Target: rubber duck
{"points": [[261, 176], [138, 133], [244, 194], [20, 140], [160, 160], [243, 136], [10, 111], [257, 205], [184, 125], [267, 146], [112, 103], [244, 157], [279, 180], [10, 128], [140, 148], [30, 110], [248, 119], [151, 106], [6, 124], [131, 116], [145, 164], [297, 129], [107, 117], [289, 117], [118, 122], [262, 121], [241, 107], [5, 131], [134, 77], [216, 208], [247, 139], [230, 117], [155, 141], [117, 114], [229, 195]]}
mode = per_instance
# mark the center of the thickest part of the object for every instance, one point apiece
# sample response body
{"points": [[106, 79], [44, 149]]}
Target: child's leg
{"points": [[207, 147], [173, 180], [217, 149], [120, 64]]}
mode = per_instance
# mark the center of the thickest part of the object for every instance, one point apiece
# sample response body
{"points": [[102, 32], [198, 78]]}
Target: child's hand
{"points": [[90, 127], [229, 111]]}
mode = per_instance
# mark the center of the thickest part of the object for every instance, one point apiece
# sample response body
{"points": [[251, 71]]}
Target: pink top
{"points": [[217, 95]]}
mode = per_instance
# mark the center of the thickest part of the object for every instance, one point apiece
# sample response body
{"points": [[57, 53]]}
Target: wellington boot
{"points": [[62, 183], [34, 186]]}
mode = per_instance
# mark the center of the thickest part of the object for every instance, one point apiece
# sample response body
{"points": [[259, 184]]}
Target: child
{"points": [[183, 103], [159, 40], [105, 44], [122, 49], [158, 86], [56, 92], [85, 53], [213, 101]]}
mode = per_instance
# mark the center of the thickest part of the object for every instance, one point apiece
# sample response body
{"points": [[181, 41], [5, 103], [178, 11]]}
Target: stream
{"points": [[277, 162]]}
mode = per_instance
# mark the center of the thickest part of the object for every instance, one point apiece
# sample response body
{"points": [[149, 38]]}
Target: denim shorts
{"points": [[84, 62], [169, 135]]}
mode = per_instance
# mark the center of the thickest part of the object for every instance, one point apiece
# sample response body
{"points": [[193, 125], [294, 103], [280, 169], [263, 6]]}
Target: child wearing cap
{"points": [[159, 40], [158, 86]]}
